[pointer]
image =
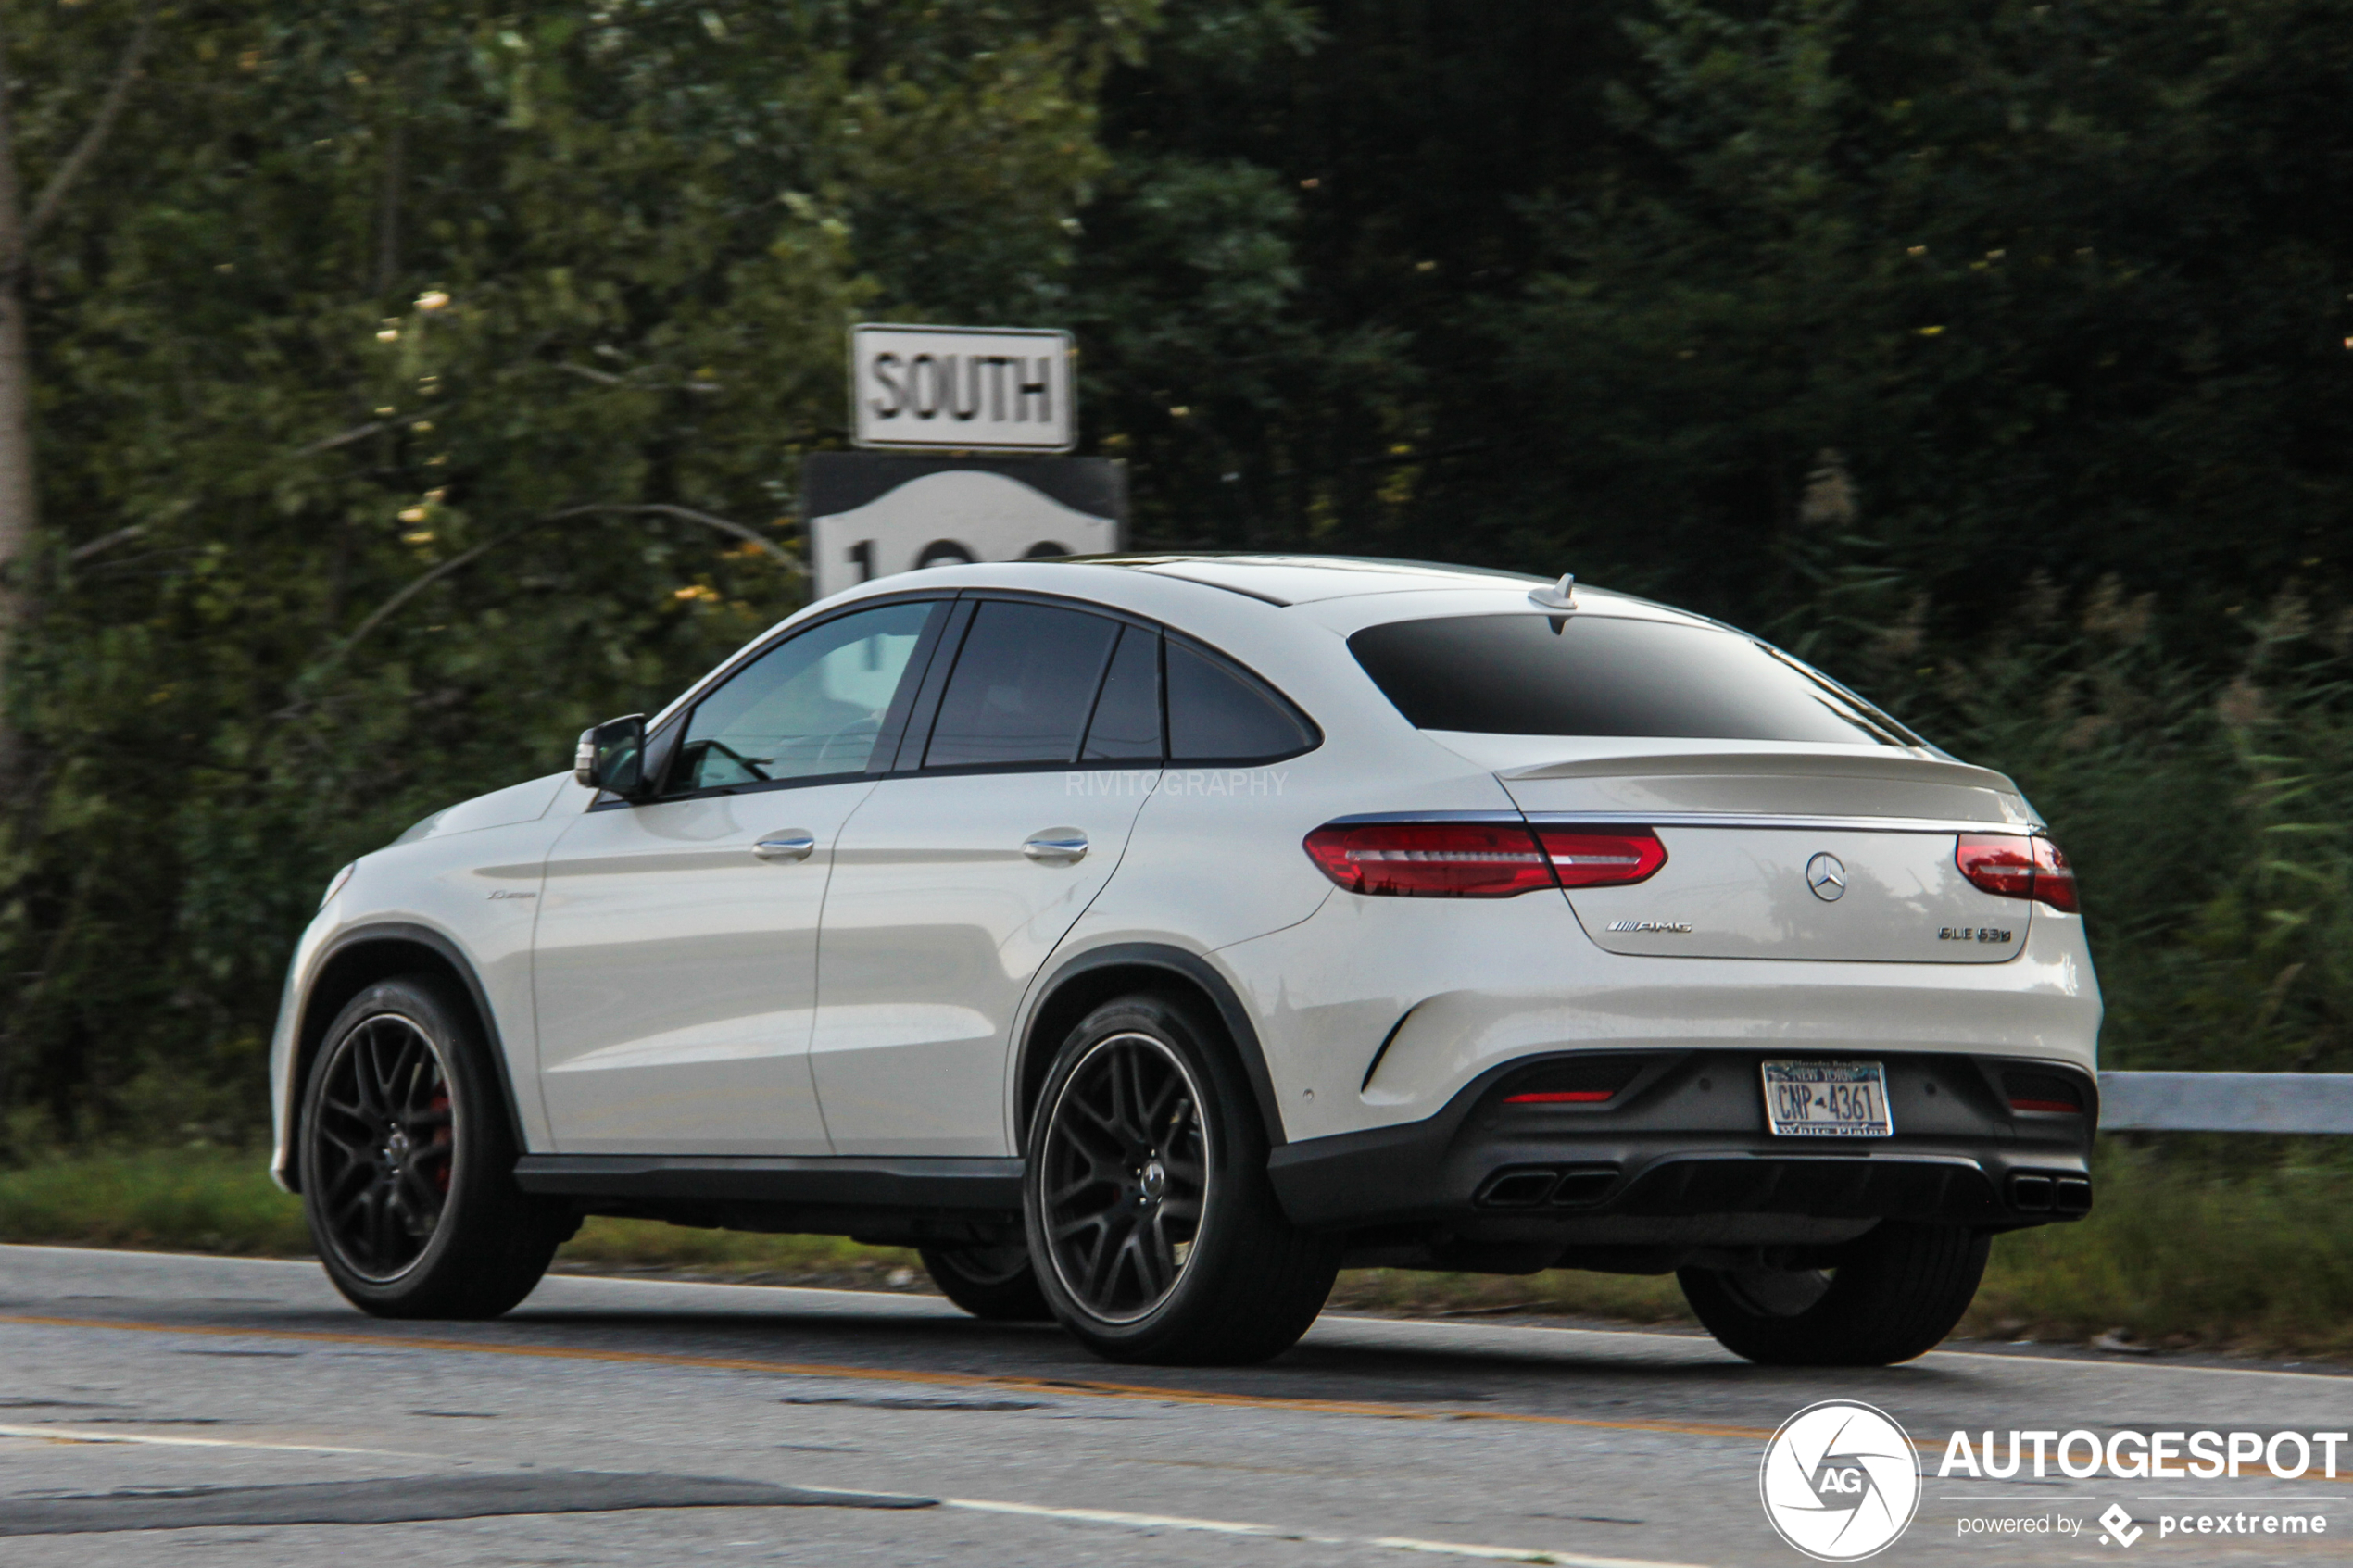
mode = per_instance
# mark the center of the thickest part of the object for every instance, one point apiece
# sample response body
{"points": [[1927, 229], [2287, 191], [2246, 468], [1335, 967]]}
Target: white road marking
{"points": [[976, 1505], [1276, 1532], [83, 1434], [1518, 1554], [1133, 1520]]}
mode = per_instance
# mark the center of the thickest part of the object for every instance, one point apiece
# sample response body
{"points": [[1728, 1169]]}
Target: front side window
{"points": [[1608, 675], [811, 707]]}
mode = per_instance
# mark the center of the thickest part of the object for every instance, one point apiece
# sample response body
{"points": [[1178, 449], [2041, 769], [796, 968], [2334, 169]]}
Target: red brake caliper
{"points": [[441, 1140]]}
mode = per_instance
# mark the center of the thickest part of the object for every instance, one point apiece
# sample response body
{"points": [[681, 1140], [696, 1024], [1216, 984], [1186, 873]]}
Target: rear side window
{"points": [[1220, 713], [1023, 688], [1127, 722], [1603, 675]]}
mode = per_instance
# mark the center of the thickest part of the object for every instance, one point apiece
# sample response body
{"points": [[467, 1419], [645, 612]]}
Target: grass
{"points": [[191, 1200], [220, 1200], [623, 1245], [2180, 1254]]}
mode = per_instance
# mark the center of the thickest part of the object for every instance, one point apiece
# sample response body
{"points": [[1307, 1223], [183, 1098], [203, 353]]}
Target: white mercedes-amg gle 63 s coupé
{"points": [[1145, 938]]}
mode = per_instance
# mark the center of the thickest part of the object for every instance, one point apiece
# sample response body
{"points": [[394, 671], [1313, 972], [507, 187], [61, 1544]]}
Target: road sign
{"points": [[979, 389], [873, 513]]}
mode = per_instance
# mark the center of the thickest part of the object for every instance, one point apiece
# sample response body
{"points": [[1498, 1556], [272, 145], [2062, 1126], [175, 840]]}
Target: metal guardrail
{"points": [[2226, 1102]]}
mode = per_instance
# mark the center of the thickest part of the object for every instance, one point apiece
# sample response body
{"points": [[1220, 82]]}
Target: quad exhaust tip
{"points": [[2035, 1192], [1538, 1187]]}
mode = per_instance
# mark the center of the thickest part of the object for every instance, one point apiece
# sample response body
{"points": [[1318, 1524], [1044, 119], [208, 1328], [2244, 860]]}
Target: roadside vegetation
{"points": [[413, 385], [2184, 1253], [1993, 356]]}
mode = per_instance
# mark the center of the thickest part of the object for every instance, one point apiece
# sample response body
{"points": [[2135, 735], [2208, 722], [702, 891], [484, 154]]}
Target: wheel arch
{"points": [[1094, 977], [358, 958]]}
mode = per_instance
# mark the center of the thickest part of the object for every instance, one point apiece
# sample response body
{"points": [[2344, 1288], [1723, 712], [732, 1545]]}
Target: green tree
{"points": [[420, 383], [1995, 356], [22, 227], [1282, 274]]}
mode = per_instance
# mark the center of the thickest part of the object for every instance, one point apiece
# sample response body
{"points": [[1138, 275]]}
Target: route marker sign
{"points": [[978, 389], [872, 514]]}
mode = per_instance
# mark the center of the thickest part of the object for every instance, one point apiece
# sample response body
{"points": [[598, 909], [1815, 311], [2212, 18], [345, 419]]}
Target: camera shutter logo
{"points": [[1840, 1481]]}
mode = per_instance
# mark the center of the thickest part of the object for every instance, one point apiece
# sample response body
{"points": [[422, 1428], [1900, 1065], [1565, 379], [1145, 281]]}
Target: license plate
{"points": [[1827, 1099]]}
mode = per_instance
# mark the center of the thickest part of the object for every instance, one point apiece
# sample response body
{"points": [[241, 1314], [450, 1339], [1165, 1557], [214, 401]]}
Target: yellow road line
{"points": [[1092, 1388], [1089, 1387]]}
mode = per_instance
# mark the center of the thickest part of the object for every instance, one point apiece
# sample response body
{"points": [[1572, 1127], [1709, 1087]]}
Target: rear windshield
{"points": [[1597, 675]]}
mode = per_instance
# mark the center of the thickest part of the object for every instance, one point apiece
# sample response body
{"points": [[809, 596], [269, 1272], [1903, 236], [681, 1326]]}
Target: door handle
{"points": [[1056, 846], [793, 843]]}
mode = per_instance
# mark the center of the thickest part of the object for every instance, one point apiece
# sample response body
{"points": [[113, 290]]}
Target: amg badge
{"points": [[1681, 927]]}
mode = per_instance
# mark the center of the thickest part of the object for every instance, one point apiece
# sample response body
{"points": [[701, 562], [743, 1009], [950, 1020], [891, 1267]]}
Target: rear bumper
{"points": [[1683, 1156]]}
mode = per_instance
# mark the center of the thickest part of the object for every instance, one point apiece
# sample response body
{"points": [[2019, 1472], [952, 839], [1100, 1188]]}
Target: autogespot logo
{"points": [[1840, 1481]]}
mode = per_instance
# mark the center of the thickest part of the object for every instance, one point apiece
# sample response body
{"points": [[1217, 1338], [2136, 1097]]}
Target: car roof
{"points": [[1353, 591], [1231, 600], [1342, 593], [1303, 579]]}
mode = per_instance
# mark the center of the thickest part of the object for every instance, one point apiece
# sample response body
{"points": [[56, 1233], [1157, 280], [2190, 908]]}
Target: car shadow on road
{"points": [[1639, 1375]]}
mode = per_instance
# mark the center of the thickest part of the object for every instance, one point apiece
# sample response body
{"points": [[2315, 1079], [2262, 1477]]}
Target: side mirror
{"points": [[612, 755]]}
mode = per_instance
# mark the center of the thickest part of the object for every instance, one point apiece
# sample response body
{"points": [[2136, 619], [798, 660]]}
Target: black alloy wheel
{"points": [[1896, 1293], [1154, 1233], [995, 1283], [384, 1130], [406, 1161], [1126, 1176]]}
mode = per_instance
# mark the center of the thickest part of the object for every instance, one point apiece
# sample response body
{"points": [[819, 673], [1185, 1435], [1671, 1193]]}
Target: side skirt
{"points": [[883, 1200]]}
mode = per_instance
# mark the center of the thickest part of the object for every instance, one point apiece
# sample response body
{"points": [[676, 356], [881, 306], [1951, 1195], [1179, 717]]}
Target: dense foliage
{"points": [[1998, 356], [420, 381], [398, 379]]}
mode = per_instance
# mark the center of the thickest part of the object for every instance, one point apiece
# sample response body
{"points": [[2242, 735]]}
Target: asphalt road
{"points": [[161, 1409]]}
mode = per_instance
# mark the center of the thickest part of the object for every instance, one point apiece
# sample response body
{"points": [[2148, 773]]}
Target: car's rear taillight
{"points": [[2017, 867], [2054, 876], [2002, 863], [1480, 859], [1602, 857], [1431, 860]]}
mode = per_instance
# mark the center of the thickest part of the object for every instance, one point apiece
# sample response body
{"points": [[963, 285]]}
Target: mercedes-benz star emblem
{"points": [[1826, 874]]}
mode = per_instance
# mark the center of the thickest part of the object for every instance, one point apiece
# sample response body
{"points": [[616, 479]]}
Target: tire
{"points": [[1897, 1295], [1153, 1231], [995, 1283], [407, 1162]]}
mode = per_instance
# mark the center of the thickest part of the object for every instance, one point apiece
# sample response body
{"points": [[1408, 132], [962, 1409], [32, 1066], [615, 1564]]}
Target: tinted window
{"points": [[1218, 713], [809, 706], [1127, 722], [1022, 686], [1598, 675]]}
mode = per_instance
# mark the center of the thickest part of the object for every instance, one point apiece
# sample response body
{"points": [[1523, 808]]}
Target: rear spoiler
{"points": [[1899, 768]]}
